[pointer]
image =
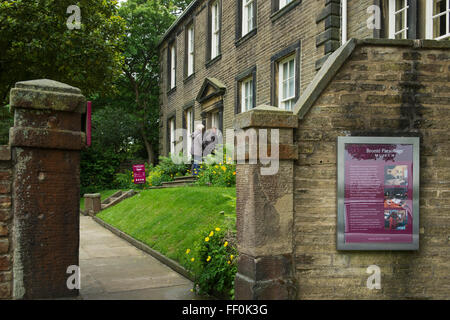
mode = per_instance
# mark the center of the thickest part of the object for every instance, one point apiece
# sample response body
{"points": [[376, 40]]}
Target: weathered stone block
{"points": [[47, 94], [4, 246], [92, 203], [5, 262], [5, 214], [5, 188], [4, 230], [5, 290], [5, 153]]}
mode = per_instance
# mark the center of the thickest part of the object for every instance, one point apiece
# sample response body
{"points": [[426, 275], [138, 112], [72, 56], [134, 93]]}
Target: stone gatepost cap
{"points": [[47, 94], [265, 116], [92, 195]]}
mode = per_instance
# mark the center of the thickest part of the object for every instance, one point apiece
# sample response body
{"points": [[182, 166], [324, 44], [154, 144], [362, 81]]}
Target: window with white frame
{"points": [[172, 135], [215, 30], [283, 3], [248, 18], [286, 83], [189, 128], [398, 19], [190, 50], [172, 67], [438, 19], [247, 94]]}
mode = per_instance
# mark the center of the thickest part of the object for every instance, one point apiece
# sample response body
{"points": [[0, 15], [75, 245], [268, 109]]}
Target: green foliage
{"points": [[213, 262], [218, 169], [219, 175], [98, 168], [170, 169], [114, 140], [36, 43], [156, 177]]}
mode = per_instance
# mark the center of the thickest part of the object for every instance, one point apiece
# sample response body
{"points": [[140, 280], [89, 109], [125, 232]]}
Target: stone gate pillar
{"points": [[265, 211], [45, 143]]}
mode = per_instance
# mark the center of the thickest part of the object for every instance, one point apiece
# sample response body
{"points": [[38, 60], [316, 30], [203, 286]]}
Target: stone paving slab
{"points": [[111, 268]]}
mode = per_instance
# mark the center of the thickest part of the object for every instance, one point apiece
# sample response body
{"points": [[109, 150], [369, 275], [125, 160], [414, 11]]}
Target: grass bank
{"points": [[173, 219]]}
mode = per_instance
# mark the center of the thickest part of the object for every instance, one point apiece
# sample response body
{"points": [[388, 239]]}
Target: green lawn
{"points": [[104, 193], [173, 219]]}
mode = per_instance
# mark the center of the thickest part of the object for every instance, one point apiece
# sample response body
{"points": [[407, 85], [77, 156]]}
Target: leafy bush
{"points": [[218, 169], [220, 175], [98, 168], [171, 169], [213, 262]]}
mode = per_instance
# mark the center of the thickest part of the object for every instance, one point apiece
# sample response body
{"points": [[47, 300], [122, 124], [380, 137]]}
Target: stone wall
{"points": [[5, 223], [357, 17], [385, 88]]}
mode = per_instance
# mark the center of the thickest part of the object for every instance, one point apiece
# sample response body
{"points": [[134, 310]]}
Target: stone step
{"points": [[116, 198], [113, 197], [178, 183], [185, 178]]}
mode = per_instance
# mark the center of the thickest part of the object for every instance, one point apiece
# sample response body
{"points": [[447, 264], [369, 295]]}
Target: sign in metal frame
{"points": [[341, 218]]}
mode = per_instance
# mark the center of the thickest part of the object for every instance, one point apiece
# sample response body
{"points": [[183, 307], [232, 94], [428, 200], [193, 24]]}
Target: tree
{"points": [[146, 22], [35, 42]]}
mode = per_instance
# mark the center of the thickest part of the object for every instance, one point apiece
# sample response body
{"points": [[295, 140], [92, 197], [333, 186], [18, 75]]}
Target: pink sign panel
{"points": [[378, 193], [139, 173]]}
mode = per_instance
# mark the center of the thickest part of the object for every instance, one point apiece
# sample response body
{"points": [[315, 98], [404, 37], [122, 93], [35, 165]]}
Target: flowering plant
{"points": [[215, 265]]}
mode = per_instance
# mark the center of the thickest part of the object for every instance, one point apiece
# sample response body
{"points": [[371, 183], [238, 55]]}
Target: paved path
{"points": [[111, 268]]}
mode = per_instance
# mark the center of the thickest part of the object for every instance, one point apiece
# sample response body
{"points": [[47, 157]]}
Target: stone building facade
{"points": [[277, 33], [221, 58]]}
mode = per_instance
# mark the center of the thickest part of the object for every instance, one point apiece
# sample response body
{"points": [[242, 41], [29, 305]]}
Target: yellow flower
{"points": [[217, 229], [234, 173], [214, 172], [211, 233], [225, 244], [224, 168], [228, 261], [209, 258], [188, 250], [193, 259], [220, 163], [206, 239], [231, 257], [217, 167]]}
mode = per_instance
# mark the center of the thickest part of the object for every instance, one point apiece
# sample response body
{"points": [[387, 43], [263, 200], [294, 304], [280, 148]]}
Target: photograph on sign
{"points": [[378, 193]]}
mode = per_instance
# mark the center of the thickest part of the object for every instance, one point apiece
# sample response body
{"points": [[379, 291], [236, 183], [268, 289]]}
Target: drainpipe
{"points": [[344, 21]]}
